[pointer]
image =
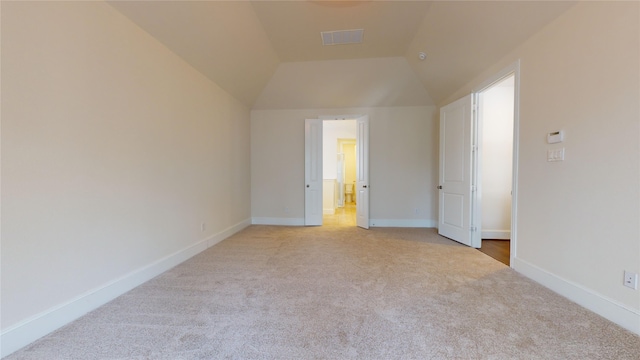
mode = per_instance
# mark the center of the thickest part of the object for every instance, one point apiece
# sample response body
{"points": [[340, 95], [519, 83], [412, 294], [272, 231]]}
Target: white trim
{"points": [[277, 221], [216, 238], [27, 331], [610, 309], [406, 223], [513, 68], [340, 117], [496, 234]]}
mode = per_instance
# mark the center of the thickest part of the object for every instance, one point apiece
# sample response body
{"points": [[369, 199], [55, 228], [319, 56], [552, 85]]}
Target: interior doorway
{"points": [[339, 172], [462, 177], [497, 109], [317, 190]]}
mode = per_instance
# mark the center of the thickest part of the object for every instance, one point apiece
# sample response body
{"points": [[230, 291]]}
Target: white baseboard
{"points": [[39, 325], [409, 223], [610, 309], [277, 221], [496, 234], [216, 238], [373, 222]]}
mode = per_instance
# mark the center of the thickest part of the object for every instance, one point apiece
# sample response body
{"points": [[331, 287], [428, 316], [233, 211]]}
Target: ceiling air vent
{"points": [[342, 37]]}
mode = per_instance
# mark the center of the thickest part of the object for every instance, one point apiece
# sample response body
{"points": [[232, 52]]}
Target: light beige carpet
{"points": [[338, 293]]}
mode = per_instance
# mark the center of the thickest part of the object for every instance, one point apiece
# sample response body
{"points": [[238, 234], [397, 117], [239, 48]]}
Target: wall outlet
{"points": [[203, 226], [631, 280]]}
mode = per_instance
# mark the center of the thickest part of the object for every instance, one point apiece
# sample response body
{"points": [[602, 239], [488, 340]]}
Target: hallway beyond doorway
{"points": [[497, 249], [343, 217]]}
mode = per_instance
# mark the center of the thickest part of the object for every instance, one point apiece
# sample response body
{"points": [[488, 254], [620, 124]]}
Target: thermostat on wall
{"points": [[555, 137]]}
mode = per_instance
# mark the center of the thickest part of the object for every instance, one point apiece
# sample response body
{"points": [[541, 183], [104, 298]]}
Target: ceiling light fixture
{"points": [[422, 55]]}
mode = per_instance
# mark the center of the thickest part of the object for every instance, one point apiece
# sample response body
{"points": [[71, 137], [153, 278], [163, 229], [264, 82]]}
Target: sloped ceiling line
{"points": [[269, 54]]}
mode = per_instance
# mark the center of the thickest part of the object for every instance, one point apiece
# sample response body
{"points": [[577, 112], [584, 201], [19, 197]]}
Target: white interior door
{"points": [[458, 142], [362, 172], [313, 172]]}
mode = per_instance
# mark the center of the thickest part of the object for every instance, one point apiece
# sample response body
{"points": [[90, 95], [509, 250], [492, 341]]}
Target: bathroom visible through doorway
{"points": [[339, 172], [320, 191]]}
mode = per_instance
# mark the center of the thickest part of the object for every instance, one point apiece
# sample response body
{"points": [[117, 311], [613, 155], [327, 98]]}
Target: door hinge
{"points": [[473, 188], [473, 229]]}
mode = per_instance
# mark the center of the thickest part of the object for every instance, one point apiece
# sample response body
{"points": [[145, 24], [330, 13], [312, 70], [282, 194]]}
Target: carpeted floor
{"points": [[338, 293]]}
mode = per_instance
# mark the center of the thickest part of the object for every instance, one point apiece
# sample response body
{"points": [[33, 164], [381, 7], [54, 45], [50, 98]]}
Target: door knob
{"points": [[307, 185], [440, 187], [364, 186]]}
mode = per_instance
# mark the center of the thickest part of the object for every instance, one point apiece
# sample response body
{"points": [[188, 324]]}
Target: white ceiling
{"points": [[269, 54]]}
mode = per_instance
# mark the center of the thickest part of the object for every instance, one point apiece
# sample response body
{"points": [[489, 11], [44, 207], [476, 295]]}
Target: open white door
{"points": [[362, 172], [313, 172], [457, 187]]}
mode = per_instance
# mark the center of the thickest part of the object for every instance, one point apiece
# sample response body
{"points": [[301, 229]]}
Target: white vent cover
{"points": [[342, 37]]}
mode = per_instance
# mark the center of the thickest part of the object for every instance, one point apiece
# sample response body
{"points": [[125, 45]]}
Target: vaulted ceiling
{"points": [[269, 54]]}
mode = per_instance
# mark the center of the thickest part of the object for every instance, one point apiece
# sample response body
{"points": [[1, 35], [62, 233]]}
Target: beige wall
{"points": [[403, 155], [114, 151], [579, 220]]}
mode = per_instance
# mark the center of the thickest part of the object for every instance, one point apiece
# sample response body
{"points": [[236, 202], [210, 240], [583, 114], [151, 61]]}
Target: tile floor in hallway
{"points": [[344, 216]]}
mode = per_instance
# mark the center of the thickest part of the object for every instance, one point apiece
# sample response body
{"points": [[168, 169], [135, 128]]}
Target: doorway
{"points": [[322, 194], [496, 117], [339, 172], [462, 177], [495, 106], [497, 101]]}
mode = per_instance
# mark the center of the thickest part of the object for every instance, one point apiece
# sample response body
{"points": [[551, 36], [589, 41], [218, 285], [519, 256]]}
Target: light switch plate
{"points": [[555, 155]]}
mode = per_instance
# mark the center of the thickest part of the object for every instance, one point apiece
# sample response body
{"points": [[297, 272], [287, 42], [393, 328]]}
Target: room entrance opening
{"points": [[336, 171]]}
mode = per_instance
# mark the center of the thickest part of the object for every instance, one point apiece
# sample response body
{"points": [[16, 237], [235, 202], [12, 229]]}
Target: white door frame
{"points": [[512, 69]]}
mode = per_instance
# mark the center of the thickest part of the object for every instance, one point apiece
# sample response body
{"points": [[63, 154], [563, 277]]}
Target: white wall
{"points": [[578, 224], [114, 151], [329, 196], [332, 130], [496, 105], [403, 153]]}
